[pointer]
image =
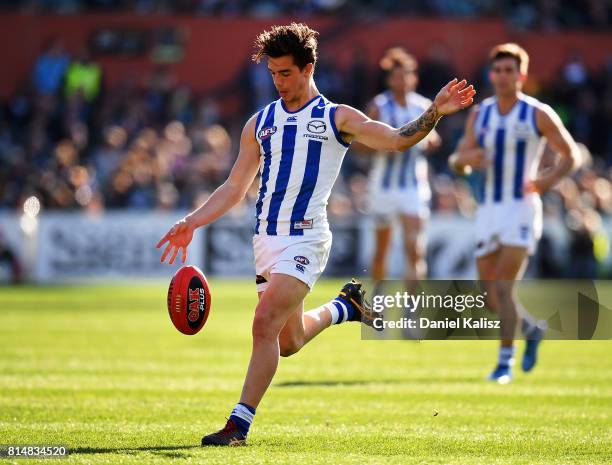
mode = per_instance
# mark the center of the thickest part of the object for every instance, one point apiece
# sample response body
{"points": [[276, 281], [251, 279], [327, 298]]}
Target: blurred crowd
{"points": [[541, 14], [153, 143], [74, 144]]}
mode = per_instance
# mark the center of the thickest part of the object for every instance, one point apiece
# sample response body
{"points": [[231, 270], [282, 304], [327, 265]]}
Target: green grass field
{"points": [[101, 370]]}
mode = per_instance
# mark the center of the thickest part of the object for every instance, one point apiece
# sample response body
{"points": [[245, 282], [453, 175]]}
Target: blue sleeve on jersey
{"points": [[332, 120], [534, 121], [259, 115]]}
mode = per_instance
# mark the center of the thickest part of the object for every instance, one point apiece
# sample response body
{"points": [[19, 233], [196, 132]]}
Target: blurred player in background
{"points": [[504, 138], [297, 143], [398, 185]]}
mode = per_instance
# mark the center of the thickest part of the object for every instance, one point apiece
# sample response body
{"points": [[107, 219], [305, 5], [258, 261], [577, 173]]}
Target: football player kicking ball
{"points": [[297, 143], [504, 137]]}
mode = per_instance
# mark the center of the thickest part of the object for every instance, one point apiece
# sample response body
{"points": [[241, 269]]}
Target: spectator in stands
{"points": [[83, 78], [133, 145], [107, 158], [525, 14], [50, 68], [356, 79], [257, 87]]}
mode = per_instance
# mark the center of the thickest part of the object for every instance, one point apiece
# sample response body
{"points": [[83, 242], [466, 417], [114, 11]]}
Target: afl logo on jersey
{"points": [[316, 126], [267, 132]]}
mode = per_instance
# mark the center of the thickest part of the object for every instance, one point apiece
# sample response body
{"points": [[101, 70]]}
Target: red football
{"points": [[189, 300]]}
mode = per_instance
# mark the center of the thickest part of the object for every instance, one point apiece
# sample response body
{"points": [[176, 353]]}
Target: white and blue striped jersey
{"points": [[399, 171], [513, 144], [301, 155]]}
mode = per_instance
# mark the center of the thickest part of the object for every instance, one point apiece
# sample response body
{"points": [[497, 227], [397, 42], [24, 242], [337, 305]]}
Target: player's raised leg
{"points": [[302, 327], [292, 337]]}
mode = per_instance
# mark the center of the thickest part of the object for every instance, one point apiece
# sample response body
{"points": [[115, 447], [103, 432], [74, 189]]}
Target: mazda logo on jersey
{"points": [[267, 132], [316, 126]]}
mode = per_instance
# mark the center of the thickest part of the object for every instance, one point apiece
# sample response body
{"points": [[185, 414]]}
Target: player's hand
{"points": [[178, 238], [454, 96], [468, 160], [476, 159], [537, 186]]}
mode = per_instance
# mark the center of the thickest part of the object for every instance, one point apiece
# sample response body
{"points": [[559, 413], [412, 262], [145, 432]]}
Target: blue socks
{"points": [[506, 356], [341, 310], [243, 415]]}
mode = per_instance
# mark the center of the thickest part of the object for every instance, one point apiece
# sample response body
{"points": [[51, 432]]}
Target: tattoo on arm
{"points": [[424, 123]]}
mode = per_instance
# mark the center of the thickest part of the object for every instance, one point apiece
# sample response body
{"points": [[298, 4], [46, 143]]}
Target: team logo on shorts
{"points": [[316, 126], [524, 232], [301, 259], [267, 132], [300, 268]]}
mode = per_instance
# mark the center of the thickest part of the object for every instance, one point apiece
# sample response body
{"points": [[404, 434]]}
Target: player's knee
{"points": [[290, 346], [265, 325]]}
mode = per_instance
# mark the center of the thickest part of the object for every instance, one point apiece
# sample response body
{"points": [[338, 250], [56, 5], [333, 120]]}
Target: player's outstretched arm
{"points": [[468, 155], [550, 126], [222, 199], [432, 142], [371, 112], [355, 126]]}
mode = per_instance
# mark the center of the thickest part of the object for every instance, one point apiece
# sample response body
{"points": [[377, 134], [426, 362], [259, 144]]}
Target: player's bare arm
{"points": [[432, 140], [559, 139], [356, 126], [357, 147], [469, 155], [222, 199]]}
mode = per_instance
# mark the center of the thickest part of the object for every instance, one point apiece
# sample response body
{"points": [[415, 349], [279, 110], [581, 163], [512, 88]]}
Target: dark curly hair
{"points": [[297, 40]]}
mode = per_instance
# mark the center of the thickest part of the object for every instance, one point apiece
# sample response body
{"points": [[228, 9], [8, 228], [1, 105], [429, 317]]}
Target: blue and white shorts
{"points": [[517, 223]]}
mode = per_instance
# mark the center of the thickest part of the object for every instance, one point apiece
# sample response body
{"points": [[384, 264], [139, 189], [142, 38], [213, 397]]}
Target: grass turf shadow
{"points": [[167, 451], [364, 382]]}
